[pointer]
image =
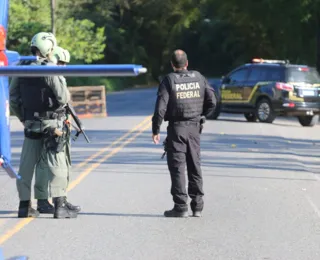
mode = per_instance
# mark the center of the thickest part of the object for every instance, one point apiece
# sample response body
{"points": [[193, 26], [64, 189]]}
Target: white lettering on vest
{"points": [[188, 94], [188, 90], [187, 86]]}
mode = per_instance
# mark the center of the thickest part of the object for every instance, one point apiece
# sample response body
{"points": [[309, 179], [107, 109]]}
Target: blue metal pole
{"points": [[5, 142], [29, 58], [4, 10], [14, 57], [113, 70]]}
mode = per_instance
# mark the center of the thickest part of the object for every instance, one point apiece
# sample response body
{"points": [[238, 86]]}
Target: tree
{"points": [[84, 41]]}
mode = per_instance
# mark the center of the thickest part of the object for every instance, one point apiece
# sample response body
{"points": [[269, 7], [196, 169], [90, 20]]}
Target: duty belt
{"points": [[44, 115], [171, 123]]}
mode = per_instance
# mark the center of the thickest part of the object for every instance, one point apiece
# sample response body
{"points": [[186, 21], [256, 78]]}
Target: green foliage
{"points": [[217, 34], [79, 37], [25, 19], [82, 38]]}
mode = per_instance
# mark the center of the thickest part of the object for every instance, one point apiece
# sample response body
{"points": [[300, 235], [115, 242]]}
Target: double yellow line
{"points": [[121, 142]]}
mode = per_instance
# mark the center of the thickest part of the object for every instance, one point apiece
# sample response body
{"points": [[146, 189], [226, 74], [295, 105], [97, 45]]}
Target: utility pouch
{"points": [[32, 135], [56, 140], [54, 143]]}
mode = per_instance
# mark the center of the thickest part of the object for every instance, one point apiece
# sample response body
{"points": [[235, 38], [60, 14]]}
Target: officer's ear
{"points": [[187, 64]]}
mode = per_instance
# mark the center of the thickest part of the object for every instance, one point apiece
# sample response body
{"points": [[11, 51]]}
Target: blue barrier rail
{"points": [[14, 57], [73, 70]]}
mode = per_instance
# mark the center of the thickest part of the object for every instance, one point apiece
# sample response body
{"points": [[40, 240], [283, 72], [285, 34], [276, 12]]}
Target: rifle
{"points": [[80, 129]]}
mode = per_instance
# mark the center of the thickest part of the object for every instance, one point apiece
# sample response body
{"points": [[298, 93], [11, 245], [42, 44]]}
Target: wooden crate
{"points": [[89, 101]]}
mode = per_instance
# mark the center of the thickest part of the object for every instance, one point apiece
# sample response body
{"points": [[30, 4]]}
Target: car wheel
{"points": [[308, 120], [264, 111], [251, 117]]}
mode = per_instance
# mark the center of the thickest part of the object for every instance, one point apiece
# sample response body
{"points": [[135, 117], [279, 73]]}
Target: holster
{"points": [[56, 143], [202, 121], [32, 135], [165, 147]]}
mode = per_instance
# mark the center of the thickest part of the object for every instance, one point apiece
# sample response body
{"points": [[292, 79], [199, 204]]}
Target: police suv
{"points": [[264, 89]]}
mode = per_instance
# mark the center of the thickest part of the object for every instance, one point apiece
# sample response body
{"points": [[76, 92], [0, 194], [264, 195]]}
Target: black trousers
{"points": [[183, 144]]}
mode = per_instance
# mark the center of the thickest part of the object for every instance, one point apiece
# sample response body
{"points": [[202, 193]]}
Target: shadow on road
{"points": [[121, 215], [238, 118], [6, 214], [250, 151]]}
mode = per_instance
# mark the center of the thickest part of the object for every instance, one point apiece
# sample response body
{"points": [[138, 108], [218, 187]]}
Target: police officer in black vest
{"points": [[183, 98]]}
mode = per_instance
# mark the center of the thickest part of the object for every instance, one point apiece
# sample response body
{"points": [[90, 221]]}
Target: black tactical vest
{"points": [[36, 96], [186, 96]]}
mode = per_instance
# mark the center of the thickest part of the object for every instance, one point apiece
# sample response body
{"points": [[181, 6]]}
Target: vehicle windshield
{"points": [[304, 74]]}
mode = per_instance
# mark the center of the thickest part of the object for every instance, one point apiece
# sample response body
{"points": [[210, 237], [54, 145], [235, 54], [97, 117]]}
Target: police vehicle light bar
{"points": [[259, 60]]}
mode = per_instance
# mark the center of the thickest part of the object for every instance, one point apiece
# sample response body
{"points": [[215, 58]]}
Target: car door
{"points": [[256, 74], [232, 87]]}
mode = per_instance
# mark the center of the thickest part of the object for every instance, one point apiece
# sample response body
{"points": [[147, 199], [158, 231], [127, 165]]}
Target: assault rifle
{"points": [[80, 129]]}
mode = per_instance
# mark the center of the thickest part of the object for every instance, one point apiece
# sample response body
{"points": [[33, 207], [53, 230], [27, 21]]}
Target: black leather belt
{"points": [[171, 123]]}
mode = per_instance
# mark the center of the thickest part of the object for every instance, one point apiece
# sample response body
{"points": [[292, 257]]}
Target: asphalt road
{"points": [[261, 181]]}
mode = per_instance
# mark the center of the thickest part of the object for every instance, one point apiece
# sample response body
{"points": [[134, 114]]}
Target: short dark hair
{"points": [[179, 59]]}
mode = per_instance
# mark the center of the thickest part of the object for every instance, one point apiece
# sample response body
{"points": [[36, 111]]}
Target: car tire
{"points": [[251, 117], [308, 120], [264, 111]]}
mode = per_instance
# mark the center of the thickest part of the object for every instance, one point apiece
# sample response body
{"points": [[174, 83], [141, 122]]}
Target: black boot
{"points": [[173, 213], [61, 210], [72, 207], [26, 211], [197, 213], [45, 207]]}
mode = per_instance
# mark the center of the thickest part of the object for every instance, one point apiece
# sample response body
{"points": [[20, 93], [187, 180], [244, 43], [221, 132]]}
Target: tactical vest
{"points": [[186, 96], [37, 98]]}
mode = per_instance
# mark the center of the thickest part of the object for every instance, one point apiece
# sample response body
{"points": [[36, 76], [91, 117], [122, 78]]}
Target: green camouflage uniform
{"points": [[50, 165]]}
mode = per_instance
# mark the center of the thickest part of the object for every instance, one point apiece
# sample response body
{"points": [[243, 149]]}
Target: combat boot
{"points": [[72, 207], [45, 207], [173, 213], [61, 210], [197, 214], [26, 211]]}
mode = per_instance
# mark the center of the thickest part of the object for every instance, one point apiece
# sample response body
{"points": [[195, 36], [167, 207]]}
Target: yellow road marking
{"points": [[15, 229], [114, 143], [21, 224], [114, 151], [4, 220], [80, 165]]}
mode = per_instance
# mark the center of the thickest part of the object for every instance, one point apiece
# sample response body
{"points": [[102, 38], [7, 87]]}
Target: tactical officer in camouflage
{"points": [[38, 103], [60, 57], [183, 98]]}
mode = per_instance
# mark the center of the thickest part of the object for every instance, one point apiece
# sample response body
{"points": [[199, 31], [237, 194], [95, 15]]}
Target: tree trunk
{"points": [[53, 29]]}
